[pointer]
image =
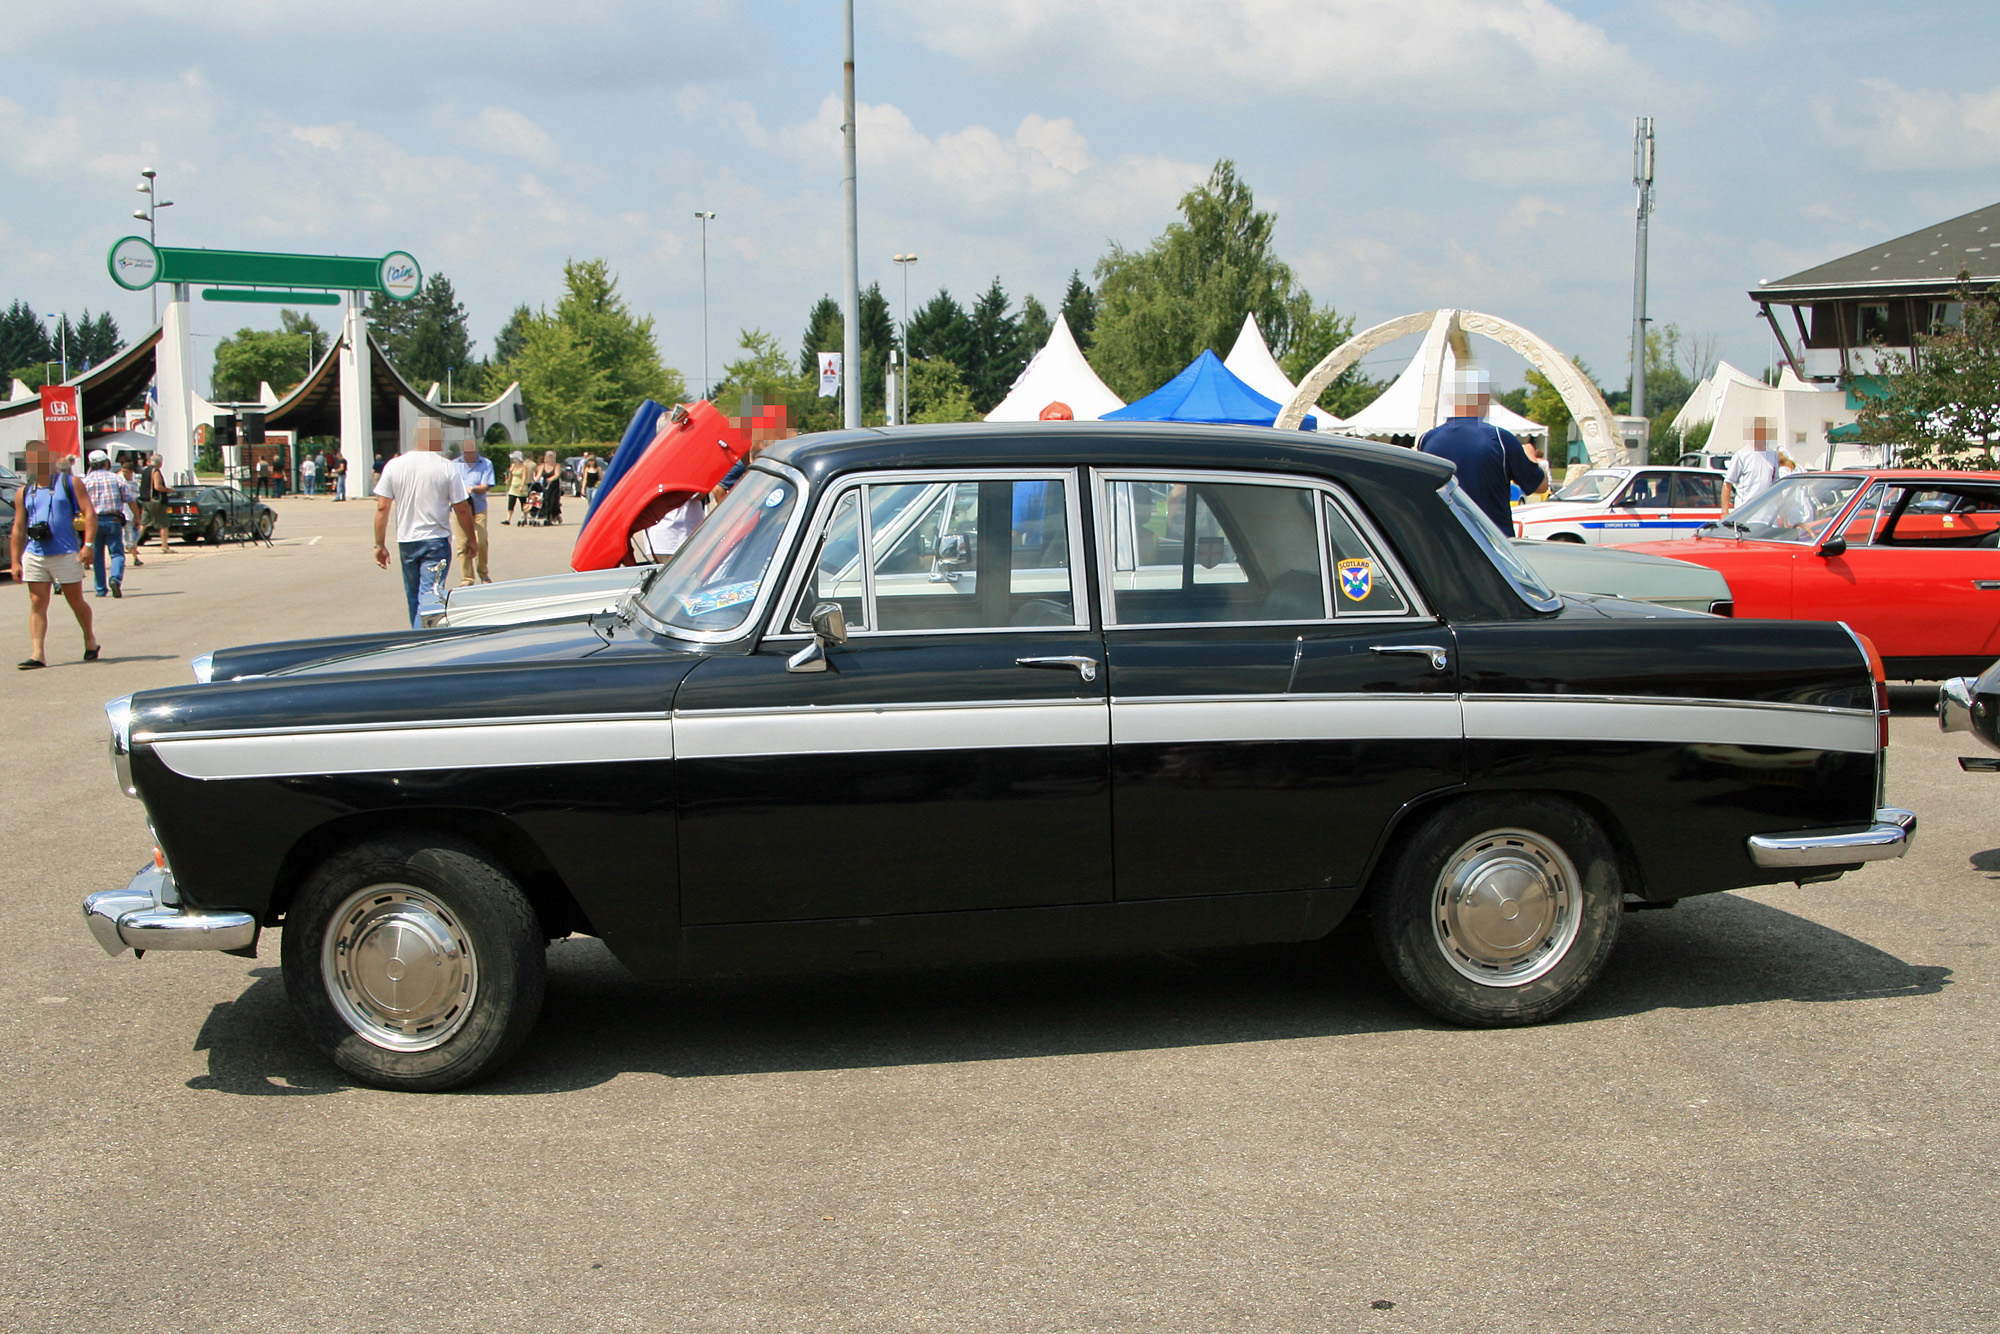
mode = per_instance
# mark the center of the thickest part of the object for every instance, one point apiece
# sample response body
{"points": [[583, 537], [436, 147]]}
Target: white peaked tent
{"points": [[1058, 374], [1800, 414], [1251, 362], [1400, 409]]}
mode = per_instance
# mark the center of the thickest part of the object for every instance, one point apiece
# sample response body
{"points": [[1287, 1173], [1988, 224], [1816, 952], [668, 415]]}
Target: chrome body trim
{"points": [[315, 729], [1890, 836], [1669, 721], [147, 915], [407, 750], [203, 666], [1668, 701], [119, 712], [962, 726], [1955, 704]]}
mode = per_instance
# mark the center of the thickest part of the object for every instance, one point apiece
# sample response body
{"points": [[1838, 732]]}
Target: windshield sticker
{"points": [[715, 599], [775, 499], [1357, 577]]}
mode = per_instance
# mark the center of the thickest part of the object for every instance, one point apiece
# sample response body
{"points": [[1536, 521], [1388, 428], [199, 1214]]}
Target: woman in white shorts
{"points": [[47, 549]]}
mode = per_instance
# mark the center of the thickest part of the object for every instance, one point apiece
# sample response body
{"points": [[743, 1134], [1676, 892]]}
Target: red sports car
{"points": [[1911, 559]]}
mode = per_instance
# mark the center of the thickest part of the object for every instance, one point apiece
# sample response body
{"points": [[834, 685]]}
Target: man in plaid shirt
{"points": [[114, 500]]}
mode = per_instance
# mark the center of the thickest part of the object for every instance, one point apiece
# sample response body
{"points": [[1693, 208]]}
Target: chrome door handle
{"points": [[1986, 585], [1439, 655], [1084, 667]]}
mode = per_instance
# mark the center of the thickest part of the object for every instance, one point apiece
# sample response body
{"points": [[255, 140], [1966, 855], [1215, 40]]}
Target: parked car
{"points": [[11, 483], [950, 693], [1909, 558], [1615, 505], [1972, 704], [1565, 567], [215, 513], [1706, 458]]}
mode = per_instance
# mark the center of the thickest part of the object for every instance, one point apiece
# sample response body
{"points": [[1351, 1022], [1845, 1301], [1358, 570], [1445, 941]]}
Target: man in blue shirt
{"points": [[1487, 458], [477, 472]]}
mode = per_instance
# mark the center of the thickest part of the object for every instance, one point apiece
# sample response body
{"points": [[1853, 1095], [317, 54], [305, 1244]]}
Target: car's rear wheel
{"points": [[1499, 911], [213, 533], [1566, 537], [414, 963]]}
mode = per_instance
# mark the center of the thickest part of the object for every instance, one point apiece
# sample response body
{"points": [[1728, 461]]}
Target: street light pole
{"points": [[1642, 177], [149, 216], [851, 345], [705, 218], [903, 262]]}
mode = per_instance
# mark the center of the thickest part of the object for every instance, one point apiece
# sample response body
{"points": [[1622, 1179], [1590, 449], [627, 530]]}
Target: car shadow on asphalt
{"points": [[599, 1021]]}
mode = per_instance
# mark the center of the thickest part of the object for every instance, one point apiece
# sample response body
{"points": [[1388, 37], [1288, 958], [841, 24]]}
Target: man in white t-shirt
{"points": [[425, 490], [1753, 471]]}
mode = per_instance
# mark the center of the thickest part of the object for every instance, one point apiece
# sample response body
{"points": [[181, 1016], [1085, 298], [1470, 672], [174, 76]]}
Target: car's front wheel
{"points": [[414, 963], [1499, 911], [265, 524]]}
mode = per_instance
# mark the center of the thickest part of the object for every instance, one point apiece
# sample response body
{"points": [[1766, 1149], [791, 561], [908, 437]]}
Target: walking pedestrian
{"points": [[1486, 457], [593, 475], [548, 481], [476, 471], [425, 491], [308, 477], [134, 528], [517, 487], [45, 549], [153, 492], [338, 464], [112, 499]]}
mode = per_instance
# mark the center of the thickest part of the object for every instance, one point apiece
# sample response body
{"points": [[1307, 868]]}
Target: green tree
{"points": [[938, 392], [94, 341], [1079, 308], [765, 374], [439, 346], [259, 356], [1036, 326], [23, 339], [1942, 410], [996, 354], [940, 331], [585, 366], [1190, 289], [305, 326], [826, 331], [513, 335], [391, 322]]}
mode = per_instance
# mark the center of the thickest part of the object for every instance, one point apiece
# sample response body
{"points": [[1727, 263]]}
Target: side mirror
{"points": [[829, 625], [953, 553], [1833, 546]]}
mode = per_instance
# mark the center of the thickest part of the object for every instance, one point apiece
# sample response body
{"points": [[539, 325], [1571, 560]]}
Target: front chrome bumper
{"points": [[147, 915], [1955, 700], [1888, 837]]}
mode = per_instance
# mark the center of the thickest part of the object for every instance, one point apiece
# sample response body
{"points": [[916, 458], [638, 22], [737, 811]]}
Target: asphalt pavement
{"points": [[1775, 1111]]}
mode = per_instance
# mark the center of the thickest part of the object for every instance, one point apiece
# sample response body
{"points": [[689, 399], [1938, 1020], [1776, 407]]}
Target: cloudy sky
{"points": [[1417, 152]]}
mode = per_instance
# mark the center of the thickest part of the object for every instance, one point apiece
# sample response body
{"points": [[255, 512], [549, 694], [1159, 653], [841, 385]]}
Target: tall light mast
{"points": [[1642, 177], [850, 370]]}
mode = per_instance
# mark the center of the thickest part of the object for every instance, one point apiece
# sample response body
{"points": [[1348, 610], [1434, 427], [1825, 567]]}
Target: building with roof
{"points": [[1835, 321]]}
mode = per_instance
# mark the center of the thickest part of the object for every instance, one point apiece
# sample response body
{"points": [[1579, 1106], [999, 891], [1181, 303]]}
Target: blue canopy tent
{"points": [[1207, 391]]}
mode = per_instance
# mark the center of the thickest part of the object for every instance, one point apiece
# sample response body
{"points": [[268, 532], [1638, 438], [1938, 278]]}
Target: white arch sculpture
{"points": [[1593, 415]]}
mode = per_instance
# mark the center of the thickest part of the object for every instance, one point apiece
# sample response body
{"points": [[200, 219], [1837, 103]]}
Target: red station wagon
{"points": [[1909, 558]]}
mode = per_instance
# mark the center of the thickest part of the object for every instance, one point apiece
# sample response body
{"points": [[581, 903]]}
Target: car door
{"points": [[954, 752], [1696, 499], [1920, 574], [1278, 693]]}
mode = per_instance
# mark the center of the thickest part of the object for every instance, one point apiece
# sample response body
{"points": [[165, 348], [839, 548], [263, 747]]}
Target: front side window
{"points": [[1599, 485], [1943, 517], [947, 555], [1649, 490], [713, 581], [1193, 551], [1796, 510]]}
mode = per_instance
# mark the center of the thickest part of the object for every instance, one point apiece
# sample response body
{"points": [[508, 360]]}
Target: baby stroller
{"points": [[545, 501]]}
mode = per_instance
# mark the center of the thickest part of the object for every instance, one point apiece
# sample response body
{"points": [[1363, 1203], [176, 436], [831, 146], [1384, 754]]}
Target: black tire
{"points": [[213, 533], [1455, 941], [266, 524], [1566, 537], [436, 900]]}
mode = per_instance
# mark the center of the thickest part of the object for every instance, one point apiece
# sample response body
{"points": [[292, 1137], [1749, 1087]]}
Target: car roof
{"points": [[1108, 444]]}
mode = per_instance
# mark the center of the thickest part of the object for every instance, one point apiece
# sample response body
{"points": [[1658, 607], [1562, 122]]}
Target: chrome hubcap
{"points": [[1507, 908], [400, 967]]}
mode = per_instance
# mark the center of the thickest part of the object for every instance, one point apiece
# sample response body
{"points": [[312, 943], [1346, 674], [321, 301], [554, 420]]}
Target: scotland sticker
{"points": [[1357, 577]]}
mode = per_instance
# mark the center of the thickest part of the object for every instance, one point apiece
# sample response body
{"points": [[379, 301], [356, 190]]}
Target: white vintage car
{"points": [[1610, 506]]}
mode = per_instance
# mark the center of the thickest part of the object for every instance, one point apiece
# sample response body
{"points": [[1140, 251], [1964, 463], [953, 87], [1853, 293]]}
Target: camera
{"points": [[40, 531]]}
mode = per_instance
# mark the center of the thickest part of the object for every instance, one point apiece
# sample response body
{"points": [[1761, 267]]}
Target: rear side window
{"points": [[1362, 582], [1692, 492], [1193, 551], [1944, 517]]}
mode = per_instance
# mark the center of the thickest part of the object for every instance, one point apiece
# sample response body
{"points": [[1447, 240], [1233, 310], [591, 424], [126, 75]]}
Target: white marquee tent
{"points": [[1058, 374], [1251, 362], [1400, 409], [1801, 415]]}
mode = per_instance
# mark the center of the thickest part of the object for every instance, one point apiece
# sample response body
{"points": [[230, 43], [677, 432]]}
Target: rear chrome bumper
{"points": [[147, 915], [1888, 837]]}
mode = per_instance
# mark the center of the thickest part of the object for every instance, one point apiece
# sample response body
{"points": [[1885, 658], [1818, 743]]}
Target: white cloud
{"points": [[1450, 51], [1903, 129], [1732, 22]]}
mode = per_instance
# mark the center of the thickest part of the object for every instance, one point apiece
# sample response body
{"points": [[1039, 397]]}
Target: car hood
{"points": [[542, 642], [557, 595], [1705, 549], [1625, 572], [1549, 509]]}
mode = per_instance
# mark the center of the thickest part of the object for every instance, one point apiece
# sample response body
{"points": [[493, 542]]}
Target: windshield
{"points": [[1597, 485], [1797, 509], [713, 581], [1525, 581]]}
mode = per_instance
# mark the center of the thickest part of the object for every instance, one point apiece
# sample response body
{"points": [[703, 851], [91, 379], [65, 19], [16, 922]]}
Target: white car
{"points": [[1609, 506]]}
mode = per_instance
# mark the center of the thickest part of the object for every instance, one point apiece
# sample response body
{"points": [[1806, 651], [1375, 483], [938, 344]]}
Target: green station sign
{"points": [[137, 264]]}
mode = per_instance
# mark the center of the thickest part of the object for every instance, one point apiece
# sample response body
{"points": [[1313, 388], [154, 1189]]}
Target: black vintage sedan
{"points": [[216, 513], [961, 693]]}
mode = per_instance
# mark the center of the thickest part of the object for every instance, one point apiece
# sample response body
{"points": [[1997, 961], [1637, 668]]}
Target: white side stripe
{"points": [[1553, 718], [729, 735], [394, 751], [1137, 722]]}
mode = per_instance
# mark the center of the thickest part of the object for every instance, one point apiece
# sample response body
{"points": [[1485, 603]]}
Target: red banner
{"points": [[62, 424]]}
